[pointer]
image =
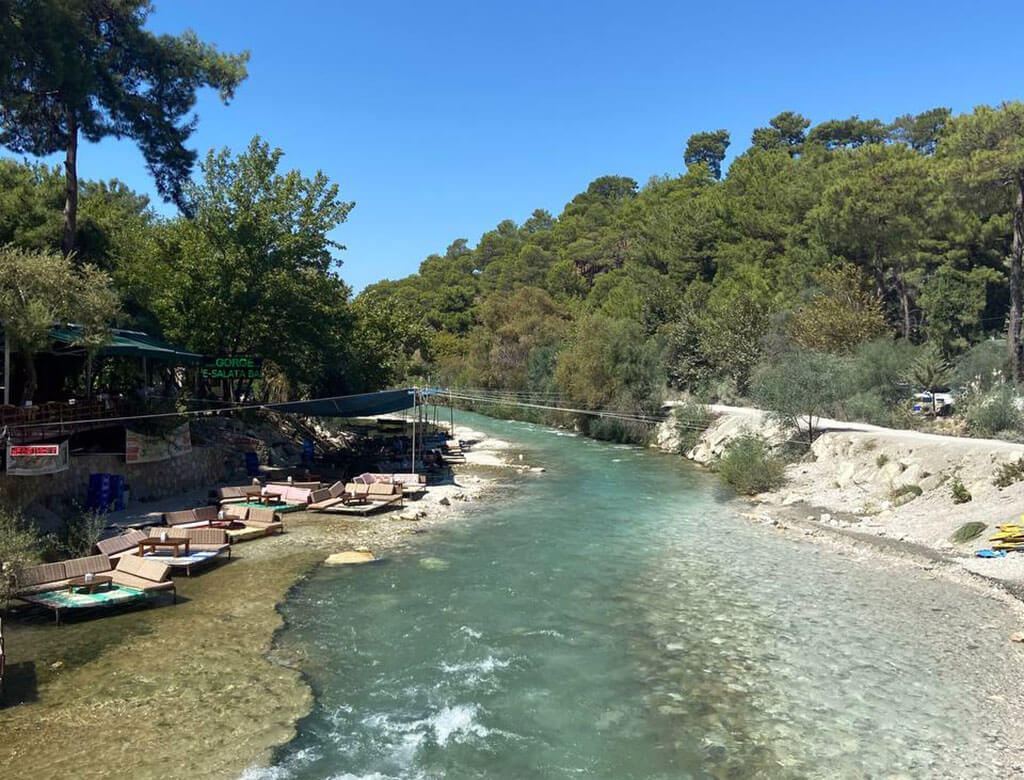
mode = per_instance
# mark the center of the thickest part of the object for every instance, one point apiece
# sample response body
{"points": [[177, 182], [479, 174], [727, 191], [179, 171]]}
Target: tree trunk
{"points": [[31, 379], [901, 285], [1016, 250], [70, 185]]}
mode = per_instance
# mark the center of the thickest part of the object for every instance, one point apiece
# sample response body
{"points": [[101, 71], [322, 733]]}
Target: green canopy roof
{"points": [[130, 343]]}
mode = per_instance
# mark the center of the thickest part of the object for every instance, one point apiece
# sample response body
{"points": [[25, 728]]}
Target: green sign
{"points": [[232, 368]]}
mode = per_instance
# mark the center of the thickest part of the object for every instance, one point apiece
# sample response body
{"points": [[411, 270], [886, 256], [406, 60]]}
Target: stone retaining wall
{"points": [[146, 481]]}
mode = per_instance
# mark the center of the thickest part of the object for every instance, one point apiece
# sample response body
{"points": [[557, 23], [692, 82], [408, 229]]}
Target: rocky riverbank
{"points": [[194, 689], [892, 488]]}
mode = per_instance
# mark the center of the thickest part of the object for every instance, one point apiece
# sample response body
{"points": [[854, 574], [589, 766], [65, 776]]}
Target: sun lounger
{"points": [[304, 485], [385, 493], [205, 544], [256, 522], [143, 574], [231, 494], [122, 544], [325, 498], [367, 499], [134, 579]]}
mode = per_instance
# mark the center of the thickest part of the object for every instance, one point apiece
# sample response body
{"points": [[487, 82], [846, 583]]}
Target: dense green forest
{"points": [[829, 268], [884, 254]]}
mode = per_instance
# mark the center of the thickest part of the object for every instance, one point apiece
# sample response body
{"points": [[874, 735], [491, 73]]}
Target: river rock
{"points": [[434, 564], [1017, 636], [350, 557]]}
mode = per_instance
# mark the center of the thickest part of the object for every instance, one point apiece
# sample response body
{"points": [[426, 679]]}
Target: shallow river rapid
{"points": [[615, 618]]}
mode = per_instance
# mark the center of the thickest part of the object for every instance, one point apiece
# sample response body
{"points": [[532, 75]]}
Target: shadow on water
{"points": [[20, 684]]}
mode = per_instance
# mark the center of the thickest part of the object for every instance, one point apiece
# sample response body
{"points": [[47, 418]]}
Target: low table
{"points": [[270, 498], [155, 541], [90, 585]]}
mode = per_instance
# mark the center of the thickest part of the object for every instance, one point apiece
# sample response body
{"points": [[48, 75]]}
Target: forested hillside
{"points": [[886, 254]]}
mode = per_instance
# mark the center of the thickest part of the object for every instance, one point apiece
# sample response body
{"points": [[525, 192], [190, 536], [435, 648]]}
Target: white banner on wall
{"points": [[140, 448]]}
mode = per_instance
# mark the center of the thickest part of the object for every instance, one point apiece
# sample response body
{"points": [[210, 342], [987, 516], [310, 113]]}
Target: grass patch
{"points": [[968, 531], [750, 468], [959, 492], [881, 460], [1008, 473]]}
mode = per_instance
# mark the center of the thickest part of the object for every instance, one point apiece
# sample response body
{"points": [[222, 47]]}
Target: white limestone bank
{"points": [[869, 481]]}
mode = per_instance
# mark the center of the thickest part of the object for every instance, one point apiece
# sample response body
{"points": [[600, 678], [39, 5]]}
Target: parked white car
{"points": [[923, 403]]}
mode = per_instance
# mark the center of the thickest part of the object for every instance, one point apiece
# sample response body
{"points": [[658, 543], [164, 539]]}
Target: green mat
{"points": [[79, 599], [282, 508]]}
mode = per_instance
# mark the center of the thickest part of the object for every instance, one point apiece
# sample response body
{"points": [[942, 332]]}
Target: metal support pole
{"points": [[414, 395], [7, 368]]}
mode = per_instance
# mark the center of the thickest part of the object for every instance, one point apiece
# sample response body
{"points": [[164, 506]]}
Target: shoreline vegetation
{"points": [[208, 664]]}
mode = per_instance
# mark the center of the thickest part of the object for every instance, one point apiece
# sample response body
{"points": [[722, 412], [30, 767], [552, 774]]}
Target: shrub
{"points": [[690, 419], [959, 493], [750, 468], [879, 368], [881, 460], [868, 406], [993, 412], [1008, 473], [968, 531], [19, 547], [798, 388], [983, 365], [80, 533]]}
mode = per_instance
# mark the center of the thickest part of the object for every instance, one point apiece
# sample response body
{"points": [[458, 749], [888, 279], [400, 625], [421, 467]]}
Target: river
{"points": [[615, 618]]}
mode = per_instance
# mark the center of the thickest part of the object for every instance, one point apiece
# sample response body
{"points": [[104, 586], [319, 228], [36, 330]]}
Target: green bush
{"points": [[994, 412], [879, 369], [959, 493], [968, 531], [750, 468], [881, 460], [690, 419], [1008, 473], [79, 534], [19, 547], [868, 406], [982, 366]]}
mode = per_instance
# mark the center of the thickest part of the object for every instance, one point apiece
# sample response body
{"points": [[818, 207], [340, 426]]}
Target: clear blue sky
{"points": [[441, 119]]}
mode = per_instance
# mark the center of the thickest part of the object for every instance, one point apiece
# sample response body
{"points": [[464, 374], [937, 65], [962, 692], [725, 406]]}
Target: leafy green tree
{"points": [[840, 316], [707, 148], [41, 289], [921, 132], [799, 388], [848, 133], [254, 271], [88, 68], [876, 216], [952, 301], [984, 154], [510, 329], [786, 131]]}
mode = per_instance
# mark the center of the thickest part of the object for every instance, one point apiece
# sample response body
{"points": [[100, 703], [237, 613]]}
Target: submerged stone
{"points": [[438, 564], [348, 557]]}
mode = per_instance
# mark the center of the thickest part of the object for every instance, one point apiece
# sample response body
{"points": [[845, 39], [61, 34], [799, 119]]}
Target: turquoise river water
{"points": [[615, 618]]}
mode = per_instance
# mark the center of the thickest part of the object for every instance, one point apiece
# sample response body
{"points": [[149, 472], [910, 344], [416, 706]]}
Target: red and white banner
{"points": [[29, 460]]}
